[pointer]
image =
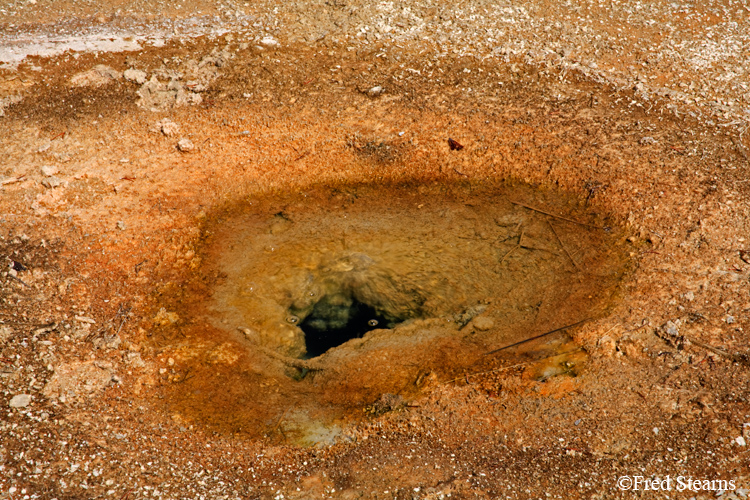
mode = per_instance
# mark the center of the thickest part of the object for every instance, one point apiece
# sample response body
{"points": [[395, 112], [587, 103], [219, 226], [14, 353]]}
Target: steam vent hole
{"points": [[337, 319], [308, 307]]}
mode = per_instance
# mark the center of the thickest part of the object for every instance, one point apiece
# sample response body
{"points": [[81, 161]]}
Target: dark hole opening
{"points": [[332, 323]]}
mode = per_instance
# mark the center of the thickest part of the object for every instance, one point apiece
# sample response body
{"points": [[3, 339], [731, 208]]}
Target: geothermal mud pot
{"points": [[373, 251], [309, 309]]}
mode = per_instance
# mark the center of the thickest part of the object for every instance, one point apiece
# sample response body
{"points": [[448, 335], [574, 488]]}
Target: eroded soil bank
{"points": [[108, 247]]}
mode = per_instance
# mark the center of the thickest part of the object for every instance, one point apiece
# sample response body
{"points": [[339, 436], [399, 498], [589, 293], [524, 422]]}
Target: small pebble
{"points": [[483, 323], [49, 170], [51, 182], [269, 41], [672, 328], [167, 127], [185, 145], [20, 401]]}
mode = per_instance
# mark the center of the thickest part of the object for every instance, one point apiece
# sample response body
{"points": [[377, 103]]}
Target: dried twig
{"points": [[19, 280], [12, 180], [510, 252], [563, 247], [520, 238], [556, 216], [741, 149], [645, 322], [466, 375], [537, 337], [739, 358], [504, 368]]}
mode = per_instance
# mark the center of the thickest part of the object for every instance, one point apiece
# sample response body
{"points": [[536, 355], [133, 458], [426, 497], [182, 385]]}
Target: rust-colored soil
{"points": [[655, 383]]}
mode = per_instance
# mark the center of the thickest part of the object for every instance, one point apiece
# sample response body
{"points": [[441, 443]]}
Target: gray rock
{"points": [[20, 401]]}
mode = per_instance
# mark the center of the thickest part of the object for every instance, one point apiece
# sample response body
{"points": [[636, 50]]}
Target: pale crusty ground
{"points": [[544, 107]]}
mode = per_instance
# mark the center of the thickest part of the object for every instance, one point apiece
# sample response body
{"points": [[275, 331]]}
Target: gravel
{"points": [[695, 57]]}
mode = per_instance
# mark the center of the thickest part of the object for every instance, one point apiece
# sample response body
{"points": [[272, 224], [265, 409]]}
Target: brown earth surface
{"points": [[115, 186]]}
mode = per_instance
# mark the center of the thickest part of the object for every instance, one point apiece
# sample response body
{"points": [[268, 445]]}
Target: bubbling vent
{"points": [[309, 307], [349, 296], [337, 319]]}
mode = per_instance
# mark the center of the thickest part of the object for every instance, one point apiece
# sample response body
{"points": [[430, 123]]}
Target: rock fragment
{"points": [[20, 401], [167, 127], [185, 146], [155, 95], [96, 77], [5, 333], [135, 75], [77, 378], [49, 170], [52, 182], [483, 323], [269, 41]]}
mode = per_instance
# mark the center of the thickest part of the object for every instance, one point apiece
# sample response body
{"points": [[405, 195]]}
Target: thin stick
{"points": [[537, 337], [741, 149], [739, 358], [490, 371], [556, 216], [515, 366], [20, 280], [520, 238], [563, 247], [12, 180]]}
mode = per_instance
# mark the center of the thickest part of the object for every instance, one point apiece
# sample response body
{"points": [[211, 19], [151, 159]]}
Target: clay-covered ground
{"points": [[116, 164]]}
